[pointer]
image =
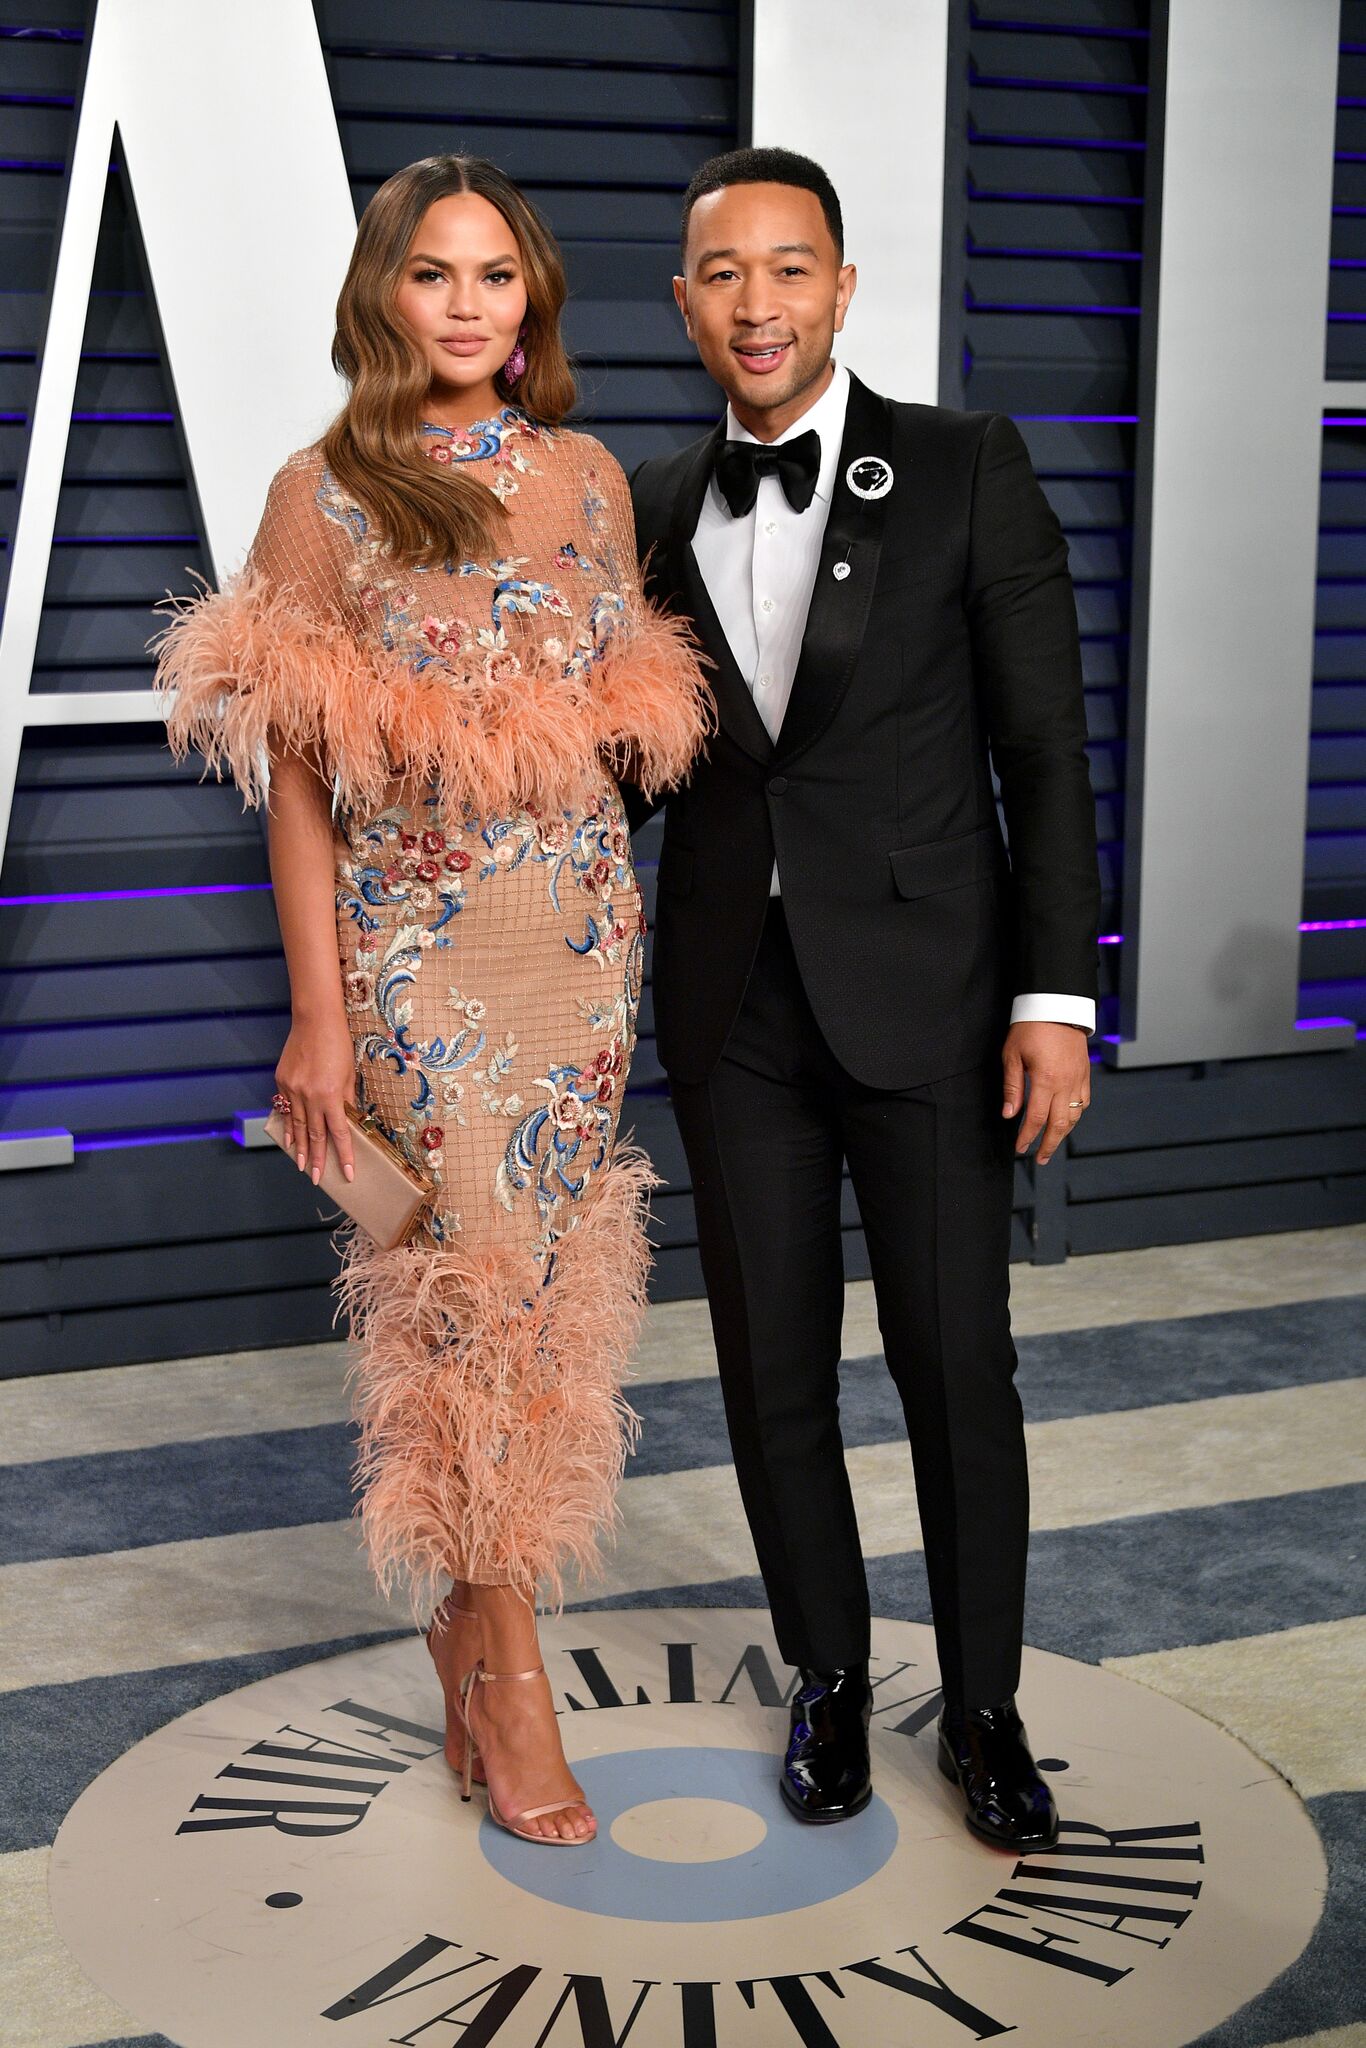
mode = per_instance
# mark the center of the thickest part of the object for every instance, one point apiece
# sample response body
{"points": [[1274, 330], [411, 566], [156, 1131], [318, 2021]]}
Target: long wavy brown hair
{"points": [[430, 514]]}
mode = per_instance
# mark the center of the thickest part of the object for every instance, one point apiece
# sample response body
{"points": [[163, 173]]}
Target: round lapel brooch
{"points": [[868, 476]]}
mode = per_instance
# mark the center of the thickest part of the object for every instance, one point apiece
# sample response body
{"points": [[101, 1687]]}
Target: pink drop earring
{"points": [[516, 362]]}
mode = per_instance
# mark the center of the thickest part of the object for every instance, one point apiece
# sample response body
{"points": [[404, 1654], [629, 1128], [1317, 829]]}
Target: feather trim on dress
{"points": [[243, 670], [493, 1427]]}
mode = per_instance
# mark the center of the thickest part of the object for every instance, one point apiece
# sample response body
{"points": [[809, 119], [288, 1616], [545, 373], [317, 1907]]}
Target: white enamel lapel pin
{"points": [[868, 476]]}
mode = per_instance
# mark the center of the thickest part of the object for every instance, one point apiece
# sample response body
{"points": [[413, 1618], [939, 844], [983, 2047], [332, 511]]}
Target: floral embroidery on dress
{"points": [[428, 635], [597, 859], [391, 862], [395, 1044], [493, 441], [419, 875], [489, 440]]}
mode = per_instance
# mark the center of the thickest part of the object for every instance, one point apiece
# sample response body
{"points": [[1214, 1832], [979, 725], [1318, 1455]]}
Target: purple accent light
{"points": [[123, 1141], [1318, 1023], [1042, 306], [1084, 419], [1322, 924], [97, 419], [1064, 255], [132, 895], [1069, 84], [1317, 924]]}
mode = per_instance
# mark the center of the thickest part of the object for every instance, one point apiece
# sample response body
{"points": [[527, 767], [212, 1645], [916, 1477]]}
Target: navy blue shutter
{"points": [[1333, 959], [1051, 158], [1056, 123], [143, 1021]]}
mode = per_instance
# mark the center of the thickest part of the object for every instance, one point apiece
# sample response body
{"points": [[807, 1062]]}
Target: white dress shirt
{"points": [[760, 571]]}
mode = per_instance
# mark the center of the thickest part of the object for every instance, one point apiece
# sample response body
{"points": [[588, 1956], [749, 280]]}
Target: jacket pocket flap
{"points": [[946, 863]]}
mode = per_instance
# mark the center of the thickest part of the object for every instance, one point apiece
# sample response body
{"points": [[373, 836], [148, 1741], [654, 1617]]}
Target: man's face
{"points": [[763, 298]]}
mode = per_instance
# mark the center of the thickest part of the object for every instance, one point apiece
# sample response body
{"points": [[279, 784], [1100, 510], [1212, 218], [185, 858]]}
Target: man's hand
{"points": [[1056, 1059]]}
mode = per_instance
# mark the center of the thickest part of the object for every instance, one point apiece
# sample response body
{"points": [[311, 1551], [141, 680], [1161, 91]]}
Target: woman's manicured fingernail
{"points": [[317, 1175], [350, 1172]]}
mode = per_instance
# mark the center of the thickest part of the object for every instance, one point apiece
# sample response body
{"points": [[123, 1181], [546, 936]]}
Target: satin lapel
{"points": [[838, 615], [735, 704]]}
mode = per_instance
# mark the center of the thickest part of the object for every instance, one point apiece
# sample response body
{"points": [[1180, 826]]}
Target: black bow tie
{"points": [[796, 464]]}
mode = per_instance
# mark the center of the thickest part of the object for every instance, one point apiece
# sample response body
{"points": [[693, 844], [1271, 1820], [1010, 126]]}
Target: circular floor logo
{"points": [[292, 1865]]}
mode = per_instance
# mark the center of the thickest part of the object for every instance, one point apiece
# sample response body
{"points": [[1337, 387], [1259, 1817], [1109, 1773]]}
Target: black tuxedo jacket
{"points": [[948, 649]]}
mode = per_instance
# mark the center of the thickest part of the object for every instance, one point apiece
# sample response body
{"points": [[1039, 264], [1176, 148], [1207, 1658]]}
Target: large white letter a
{"points": [[230, 144]]}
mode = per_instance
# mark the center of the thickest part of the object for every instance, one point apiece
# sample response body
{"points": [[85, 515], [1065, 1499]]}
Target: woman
{"points": [[435, 659]]}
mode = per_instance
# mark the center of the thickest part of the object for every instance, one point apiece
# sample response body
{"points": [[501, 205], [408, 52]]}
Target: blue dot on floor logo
{"points": [[694, 1834]]}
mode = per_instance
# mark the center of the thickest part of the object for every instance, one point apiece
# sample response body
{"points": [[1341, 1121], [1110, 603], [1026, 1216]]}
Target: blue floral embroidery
{"points": [[596, 861], [593, 503], [556, 1148], [485, 438], [394, 595], [393, 864], [396, 1045], [407, 875]]}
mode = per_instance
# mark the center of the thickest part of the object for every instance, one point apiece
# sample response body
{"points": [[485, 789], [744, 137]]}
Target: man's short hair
{"points": [[764, 167]]}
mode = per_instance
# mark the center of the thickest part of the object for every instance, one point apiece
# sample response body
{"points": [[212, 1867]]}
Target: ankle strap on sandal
{"points": [[446, 1613], [488, 1677]]}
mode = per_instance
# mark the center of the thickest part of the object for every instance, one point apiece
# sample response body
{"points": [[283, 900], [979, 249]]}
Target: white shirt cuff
{"points": [[1046, 1009]]}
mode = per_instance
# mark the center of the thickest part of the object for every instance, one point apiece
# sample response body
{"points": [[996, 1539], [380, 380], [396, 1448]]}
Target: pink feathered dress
{"points": [[490, 933]]}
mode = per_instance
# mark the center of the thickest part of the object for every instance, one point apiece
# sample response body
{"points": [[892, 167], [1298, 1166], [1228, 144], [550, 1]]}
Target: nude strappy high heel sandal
{"points": [[443, 1613], [478, 1674]]}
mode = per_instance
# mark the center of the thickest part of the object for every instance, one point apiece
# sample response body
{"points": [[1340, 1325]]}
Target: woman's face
{"points": [[463, 295]]}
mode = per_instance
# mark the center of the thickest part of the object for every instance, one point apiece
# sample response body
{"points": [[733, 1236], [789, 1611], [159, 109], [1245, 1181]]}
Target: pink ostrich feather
{"points": [[493, 1427], [244, 670]]}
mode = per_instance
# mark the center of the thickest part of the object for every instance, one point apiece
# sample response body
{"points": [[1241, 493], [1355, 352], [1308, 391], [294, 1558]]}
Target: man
{"points": [[842, 949]]}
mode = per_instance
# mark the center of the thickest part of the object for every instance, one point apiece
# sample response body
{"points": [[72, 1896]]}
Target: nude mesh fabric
{"points": [[491, 940]]}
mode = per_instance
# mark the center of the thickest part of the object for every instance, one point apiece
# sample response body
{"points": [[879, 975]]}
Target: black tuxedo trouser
{"points": [[932, 1169]]}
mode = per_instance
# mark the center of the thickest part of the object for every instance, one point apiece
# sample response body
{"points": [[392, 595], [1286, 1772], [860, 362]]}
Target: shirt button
{"points": [[764, 681], [768, 604]]}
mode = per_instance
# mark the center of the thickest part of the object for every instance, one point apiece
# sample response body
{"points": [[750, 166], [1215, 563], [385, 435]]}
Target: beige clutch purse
{"points": [[387, 1195]]}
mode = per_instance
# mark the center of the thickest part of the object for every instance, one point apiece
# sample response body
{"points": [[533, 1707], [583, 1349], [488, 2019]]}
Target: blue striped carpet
{"points": [[1252, 1565]]}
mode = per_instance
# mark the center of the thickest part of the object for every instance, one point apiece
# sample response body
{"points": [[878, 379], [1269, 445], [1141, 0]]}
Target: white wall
{"points": [[862, 89]]}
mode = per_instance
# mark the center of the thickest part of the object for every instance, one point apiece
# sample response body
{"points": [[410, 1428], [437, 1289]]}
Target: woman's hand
{"points": [[316, 1075], [317, 1069]]}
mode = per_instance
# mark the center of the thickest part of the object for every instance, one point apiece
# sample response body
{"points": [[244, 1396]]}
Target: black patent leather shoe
{"points": [[827, 1774], [986, 1754]]}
